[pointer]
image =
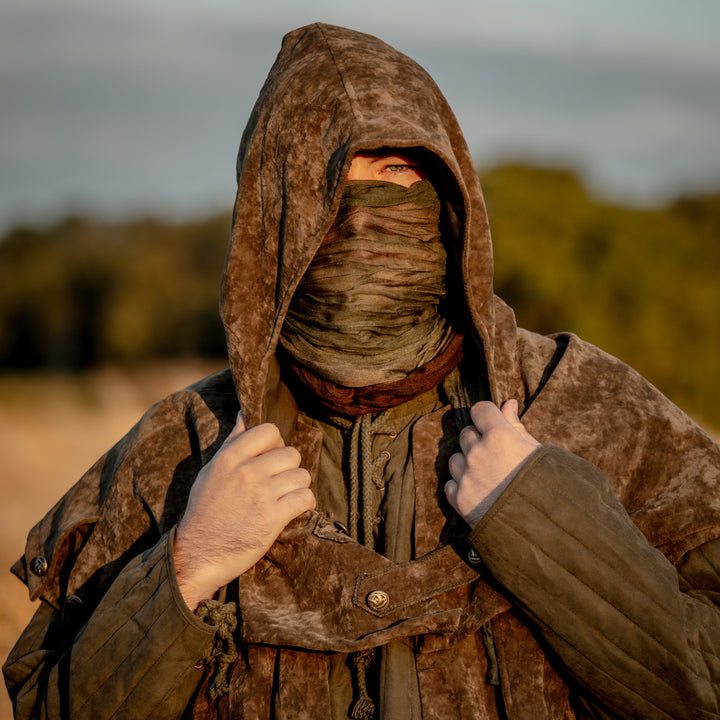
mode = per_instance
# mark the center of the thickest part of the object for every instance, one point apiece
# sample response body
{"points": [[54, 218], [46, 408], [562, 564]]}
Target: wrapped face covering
{"points": [[371, 307]]}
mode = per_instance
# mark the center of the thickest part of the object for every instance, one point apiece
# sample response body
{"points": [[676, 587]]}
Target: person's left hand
{"points": [[491, 450]]}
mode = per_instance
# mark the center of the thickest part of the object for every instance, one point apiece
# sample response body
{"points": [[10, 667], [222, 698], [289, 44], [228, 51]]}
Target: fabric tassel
{"points": [[364, 707], [223, 651]]}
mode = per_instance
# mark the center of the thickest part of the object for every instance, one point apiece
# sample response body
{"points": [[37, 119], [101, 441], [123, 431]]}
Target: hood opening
{"points": [[331, 93]]}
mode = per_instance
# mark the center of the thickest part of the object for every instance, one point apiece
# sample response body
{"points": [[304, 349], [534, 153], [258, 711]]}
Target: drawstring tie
{"points": [[223, 652], [364, 707], [363, 472], [366, 472]]}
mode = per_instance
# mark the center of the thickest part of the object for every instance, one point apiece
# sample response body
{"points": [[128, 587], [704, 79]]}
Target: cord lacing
{"points": [[223, 652], [365, 471]]}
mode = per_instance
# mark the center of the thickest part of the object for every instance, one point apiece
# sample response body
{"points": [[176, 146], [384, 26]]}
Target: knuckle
{"points": [[482, 411], [467, 433], [462, 500], [300, 501], [269, 430], [494, 434], [475, 454], [455, 463], [310, 499], [224, 461], [244, 473]]}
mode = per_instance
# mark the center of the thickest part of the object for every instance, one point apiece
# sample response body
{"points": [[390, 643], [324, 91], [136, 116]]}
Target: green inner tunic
{"points": [[377, 450]]}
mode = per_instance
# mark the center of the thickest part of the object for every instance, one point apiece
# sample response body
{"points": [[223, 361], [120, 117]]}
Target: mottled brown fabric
{"points": [[371, 97], [654, 478]]}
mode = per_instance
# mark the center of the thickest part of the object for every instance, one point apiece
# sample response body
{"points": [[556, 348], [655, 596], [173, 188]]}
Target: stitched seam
{"points": [[98, 689], [533, 582], [433, 592], [131, 688], [429, 559], [597, 668], [129, 652], [523, 497], [168, 694]]}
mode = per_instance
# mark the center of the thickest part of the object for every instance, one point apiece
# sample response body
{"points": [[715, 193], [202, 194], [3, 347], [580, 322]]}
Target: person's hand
{"points": [[491, 450], [240, 502]]}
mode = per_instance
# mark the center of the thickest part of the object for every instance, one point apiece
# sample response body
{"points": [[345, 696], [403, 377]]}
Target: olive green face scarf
{"points": [[370, 308]]}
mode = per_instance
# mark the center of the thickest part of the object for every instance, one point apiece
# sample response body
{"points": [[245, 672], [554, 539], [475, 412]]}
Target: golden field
{"points": [[52, 428]]}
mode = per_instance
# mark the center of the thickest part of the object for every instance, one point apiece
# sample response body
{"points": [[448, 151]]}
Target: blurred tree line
{"points": [[642, 284], [83, 293]]}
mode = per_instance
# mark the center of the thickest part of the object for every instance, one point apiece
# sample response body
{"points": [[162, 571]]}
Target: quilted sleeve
{"points": [[640, 637], [136, 657]]}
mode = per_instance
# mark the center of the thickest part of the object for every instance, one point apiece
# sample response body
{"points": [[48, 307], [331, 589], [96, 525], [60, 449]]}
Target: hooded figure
{"points": [[362, 328]]}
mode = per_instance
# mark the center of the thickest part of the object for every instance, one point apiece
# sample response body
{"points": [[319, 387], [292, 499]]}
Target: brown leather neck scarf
{"points": [[371, 308]]}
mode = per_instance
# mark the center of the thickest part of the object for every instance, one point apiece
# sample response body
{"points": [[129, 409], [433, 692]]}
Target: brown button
{"points": [[473, 557], [342, 528], [38, 565], [377, 600], [73, 601]]}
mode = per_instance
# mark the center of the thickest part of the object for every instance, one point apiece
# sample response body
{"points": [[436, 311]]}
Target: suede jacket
{"points": [[596, 569]]}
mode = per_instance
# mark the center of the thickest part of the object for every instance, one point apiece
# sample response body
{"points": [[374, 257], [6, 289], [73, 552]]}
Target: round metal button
{"points": [[473, 557], [73, 602], [39, 565], [377, 600], [341, 528]]}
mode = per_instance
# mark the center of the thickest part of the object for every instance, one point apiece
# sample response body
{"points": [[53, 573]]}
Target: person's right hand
{"points": [[240, 502]]}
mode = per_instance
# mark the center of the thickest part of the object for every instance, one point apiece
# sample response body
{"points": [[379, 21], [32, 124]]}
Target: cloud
{"points": [[128, 107]]}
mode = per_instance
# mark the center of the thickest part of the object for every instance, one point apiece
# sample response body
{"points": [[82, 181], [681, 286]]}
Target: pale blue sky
{"points": [[137, 107]]}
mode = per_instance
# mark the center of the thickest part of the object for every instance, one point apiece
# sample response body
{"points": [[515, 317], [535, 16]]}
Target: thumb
{"points": [[240, 424], [509, 411], [239, 429]]}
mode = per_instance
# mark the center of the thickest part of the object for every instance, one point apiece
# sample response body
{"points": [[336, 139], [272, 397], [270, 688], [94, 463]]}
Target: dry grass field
{"points": [[52, 428]]}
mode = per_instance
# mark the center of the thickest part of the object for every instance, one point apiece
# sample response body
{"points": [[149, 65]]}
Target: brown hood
{"points": [[331, 93]]}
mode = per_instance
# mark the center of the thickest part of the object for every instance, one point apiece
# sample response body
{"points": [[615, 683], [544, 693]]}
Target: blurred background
{"points": [[595, 128]]}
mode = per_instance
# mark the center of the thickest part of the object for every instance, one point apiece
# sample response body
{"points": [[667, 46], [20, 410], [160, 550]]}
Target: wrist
{"points": [[191, 576]]}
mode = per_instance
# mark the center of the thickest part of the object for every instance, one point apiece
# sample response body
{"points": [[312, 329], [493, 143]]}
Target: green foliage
{"points": [[641, 284], [83, 293]]}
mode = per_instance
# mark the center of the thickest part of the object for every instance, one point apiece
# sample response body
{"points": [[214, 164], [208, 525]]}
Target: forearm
{"points": [[607, 603], [135, 657]]}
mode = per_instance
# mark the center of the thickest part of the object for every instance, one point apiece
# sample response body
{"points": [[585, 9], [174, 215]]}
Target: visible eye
{"points": [[398, 169], [401, 168]]}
